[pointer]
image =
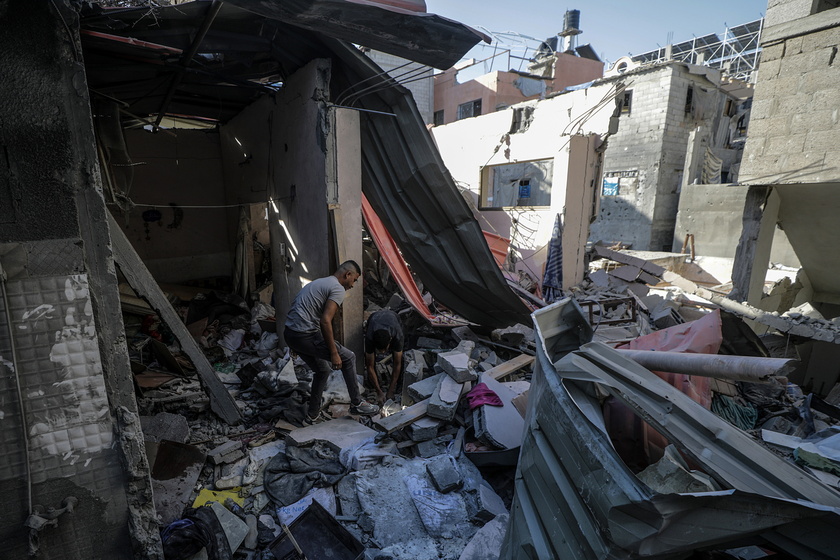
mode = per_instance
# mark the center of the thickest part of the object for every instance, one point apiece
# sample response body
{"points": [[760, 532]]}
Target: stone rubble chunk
{"points": [[457, 365], [444, 401], [424, 388], [444, 473], [424, 429]]}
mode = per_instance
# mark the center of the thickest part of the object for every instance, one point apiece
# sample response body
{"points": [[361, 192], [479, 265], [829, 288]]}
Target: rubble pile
{"points": [[431, 476], [402, 484]]}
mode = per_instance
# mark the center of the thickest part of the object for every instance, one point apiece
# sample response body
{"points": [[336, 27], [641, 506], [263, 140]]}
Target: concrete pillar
{"points": [[582, 181], [346, 212], [298, 212], [83, 434], [752, 257]]}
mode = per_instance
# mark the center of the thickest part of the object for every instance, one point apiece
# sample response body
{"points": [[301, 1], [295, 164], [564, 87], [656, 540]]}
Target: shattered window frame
{"points": [[469, 109], [438, 118], [534, 177], [627, 103]]}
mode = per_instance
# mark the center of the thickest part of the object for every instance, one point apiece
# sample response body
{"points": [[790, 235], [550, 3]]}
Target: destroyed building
{"points": [[74, 82], [657, 127], [162, 167]]}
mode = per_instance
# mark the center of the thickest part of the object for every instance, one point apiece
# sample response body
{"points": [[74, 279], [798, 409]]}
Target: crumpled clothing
{"points": [[200, 528], [290, 475], [480, 395]]}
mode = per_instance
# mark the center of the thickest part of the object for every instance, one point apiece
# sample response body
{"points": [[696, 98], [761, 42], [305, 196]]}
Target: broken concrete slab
{"points": [[228, 452], [431, 343], [174, 478], [165, 426], [338, 434], [487, 542], [444, 473], [444, 401], [235, 529], [429, 449], [456, 364], [500, 426], [424, 429], [424, 388], [348, 500], [484, 504], [464, 333]]}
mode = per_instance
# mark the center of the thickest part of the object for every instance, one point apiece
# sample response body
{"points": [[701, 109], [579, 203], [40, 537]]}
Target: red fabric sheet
{"points": [[638, 443]]}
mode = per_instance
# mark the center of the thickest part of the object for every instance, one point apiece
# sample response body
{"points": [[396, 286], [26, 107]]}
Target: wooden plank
{"points": [[403, 418], [510, 366], [144, 284]]}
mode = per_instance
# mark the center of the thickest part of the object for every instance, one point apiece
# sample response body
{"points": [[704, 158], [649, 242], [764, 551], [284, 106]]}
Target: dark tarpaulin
{"points": [[407, 184], [425, 38]]}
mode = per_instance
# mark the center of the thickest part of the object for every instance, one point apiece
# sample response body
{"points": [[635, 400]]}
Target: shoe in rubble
{"points": [[364, 408]]}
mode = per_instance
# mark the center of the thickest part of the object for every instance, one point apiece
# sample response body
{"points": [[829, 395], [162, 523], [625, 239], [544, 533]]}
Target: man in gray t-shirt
{"points": [[309, 333]]}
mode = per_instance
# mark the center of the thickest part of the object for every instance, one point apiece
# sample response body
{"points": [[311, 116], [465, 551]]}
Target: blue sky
{"points": [[612, 27]]}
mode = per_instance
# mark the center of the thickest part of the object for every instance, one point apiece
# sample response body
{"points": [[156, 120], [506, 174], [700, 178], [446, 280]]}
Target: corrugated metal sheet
{"points": [[576, 499]]}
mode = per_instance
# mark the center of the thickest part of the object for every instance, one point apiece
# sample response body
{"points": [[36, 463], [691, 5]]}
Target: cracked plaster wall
{"points": [[83, 435]]}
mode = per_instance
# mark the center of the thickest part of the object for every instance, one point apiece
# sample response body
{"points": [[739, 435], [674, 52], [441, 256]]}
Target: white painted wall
{"points": [[467, 146]]}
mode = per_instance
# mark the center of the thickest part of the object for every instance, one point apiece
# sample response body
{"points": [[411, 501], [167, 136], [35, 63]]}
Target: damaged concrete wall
{"points": [[645, 159], [83, 437], [186, 242], [283, 149], [713, 214], [794, 135], [545, 129]]}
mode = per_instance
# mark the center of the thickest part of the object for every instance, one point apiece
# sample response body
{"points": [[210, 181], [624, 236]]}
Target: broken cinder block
{"points": [[444, 401], [444, 473], [228, 452], [457, 365], [424, 388], [483, 504], [424, 429]]}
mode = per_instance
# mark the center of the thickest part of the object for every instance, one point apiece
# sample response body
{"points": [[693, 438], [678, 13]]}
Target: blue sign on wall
{"points": [[610, 187], [525, 191]]}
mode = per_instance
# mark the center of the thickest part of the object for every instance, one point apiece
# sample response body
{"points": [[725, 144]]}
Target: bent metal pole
{"points": [[732, 368]]}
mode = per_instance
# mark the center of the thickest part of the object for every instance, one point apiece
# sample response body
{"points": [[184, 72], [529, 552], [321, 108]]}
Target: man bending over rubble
{"points": [[383, 334], [309, 333]]}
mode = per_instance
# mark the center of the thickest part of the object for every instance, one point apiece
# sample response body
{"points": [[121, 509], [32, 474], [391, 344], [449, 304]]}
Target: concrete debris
{"points": [[338, 434], [235, 528], [484, 504], [424, 388], [424, 429], [487, 542], [456, 364], [165, 426], [444, 401], [228, 452], [444, 473]]}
